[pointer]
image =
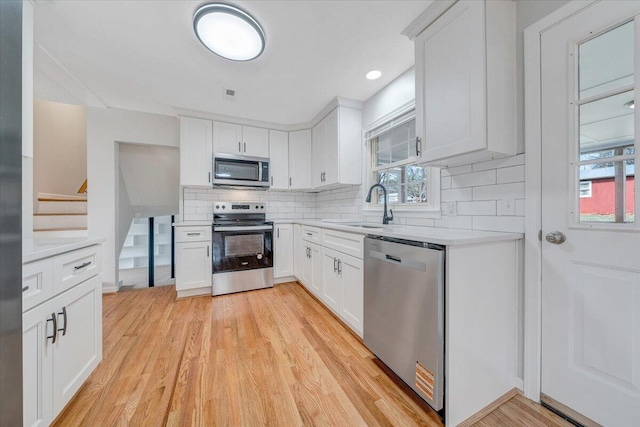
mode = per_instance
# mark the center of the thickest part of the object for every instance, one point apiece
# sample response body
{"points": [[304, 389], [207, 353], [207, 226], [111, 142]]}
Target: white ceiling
{"points": [[143, 55]]}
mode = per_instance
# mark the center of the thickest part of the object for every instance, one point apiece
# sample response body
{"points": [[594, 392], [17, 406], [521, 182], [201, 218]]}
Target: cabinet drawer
{"points": [[75, 267], [193, 234], [37, 283], [311, 234], [347, 243]]}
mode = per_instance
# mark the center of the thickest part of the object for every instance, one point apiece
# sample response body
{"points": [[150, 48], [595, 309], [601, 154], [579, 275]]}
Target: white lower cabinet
{"points": [[194, 265], [78, 347], [335, 277], [37, 365], [283, 249], [61, 339]]}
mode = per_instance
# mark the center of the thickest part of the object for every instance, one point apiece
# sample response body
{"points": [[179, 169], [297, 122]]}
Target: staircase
{"points": [[60, 216]]}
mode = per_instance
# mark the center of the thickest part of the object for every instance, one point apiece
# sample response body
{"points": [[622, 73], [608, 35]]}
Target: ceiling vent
{"points": [[230, 94]]}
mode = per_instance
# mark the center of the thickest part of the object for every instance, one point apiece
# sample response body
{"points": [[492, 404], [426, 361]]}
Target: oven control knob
{"points": [[259, 256], [256, 207], [217, 206], [261, 207], [223, 206]]}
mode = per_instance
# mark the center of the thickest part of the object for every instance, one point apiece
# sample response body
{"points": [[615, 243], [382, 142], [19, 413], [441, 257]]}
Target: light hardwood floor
{"points": [[270, 357]]}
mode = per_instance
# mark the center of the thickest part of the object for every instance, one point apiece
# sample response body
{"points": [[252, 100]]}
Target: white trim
{"points": [[533, 189], [396, 112]]}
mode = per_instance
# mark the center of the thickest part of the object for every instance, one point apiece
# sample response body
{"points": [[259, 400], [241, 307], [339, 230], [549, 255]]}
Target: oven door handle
{"points": [[246, 228]]}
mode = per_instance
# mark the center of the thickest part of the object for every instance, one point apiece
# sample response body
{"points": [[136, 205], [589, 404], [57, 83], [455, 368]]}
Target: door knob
{"points": [[556, 238]]}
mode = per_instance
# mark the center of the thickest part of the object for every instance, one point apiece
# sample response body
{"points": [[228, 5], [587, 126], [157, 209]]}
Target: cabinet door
{"points": [[297, 251], [316, 269], [306, 266], [255, 141], [279, 159], [318, 154], [283, 262], [331, 292], [37, 365], [196, 147], [450, 83], [351, 272], [332, 149], [78, 349], [227, 138], [193, 265], [300, 159]]}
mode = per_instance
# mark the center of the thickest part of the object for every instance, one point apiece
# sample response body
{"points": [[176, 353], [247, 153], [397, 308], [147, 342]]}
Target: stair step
{"points": [[59, 221], [60, 199], [62, 206], [60, 232]]}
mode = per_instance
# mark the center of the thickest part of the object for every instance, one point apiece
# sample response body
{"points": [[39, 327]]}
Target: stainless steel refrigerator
{"points": [[10, 213]]}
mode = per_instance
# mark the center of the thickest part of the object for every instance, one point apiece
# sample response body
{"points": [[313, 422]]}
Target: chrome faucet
{"points": [[386, 217]]}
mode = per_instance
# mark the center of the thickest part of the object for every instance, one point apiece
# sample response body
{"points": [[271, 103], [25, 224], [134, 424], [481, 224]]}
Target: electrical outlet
{"points": [[507, 207], [449, 208]]}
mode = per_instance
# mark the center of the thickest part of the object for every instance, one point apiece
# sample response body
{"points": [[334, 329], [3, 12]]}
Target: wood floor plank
{"points": [[270, 357]]}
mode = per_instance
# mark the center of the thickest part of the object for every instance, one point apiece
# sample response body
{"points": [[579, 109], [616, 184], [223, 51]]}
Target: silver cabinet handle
{"points": [[207, 251], [193, 234], [340, 267], [245, 147], [25, 288], [64, 317], [209, 176], [239, 147], [335, 265], [309, 234], [557, 238], [53, 319], [278, 233], [289, 181], [81, 266], [418, 141], [272, 180]]}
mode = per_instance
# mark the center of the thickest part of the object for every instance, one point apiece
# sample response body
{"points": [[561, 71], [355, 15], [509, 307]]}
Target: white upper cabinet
{"points": [[299, 159], [227, 138], [255, 141], [279, 160], [337, 149], [196, 157], [465, 82]]}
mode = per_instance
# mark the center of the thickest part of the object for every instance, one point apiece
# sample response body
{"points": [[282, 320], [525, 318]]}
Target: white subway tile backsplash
{"points": [[477, 208], [456, 170], [511, 174], [455, 195], [473, 179], [499, 191], [513, 224], [499, 163]]}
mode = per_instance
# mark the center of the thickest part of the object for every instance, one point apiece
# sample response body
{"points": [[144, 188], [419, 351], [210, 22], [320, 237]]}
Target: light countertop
{"points": [[192, 224], [36, 249], [440, 236]]}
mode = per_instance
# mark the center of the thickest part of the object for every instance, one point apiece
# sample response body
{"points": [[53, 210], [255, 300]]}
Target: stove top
{"points": [[240, 214]]}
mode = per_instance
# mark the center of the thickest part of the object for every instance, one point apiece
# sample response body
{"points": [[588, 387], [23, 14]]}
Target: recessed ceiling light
{"points": [[229, 32], [630, 104], [373, 74]]}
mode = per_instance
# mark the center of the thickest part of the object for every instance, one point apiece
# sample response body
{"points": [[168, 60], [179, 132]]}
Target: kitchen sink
{"points": [[367, 226]]}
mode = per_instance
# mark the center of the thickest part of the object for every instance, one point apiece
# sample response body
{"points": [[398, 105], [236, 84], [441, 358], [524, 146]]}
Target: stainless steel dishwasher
{"points": [[404, 312]]}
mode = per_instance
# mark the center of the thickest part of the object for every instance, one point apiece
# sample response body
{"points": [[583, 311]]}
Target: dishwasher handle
{"points": [[393, 258]]}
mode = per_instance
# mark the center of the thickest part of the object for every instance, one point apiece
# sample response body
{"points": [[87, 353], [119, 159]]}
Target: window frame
{"points": [[430, 209]]}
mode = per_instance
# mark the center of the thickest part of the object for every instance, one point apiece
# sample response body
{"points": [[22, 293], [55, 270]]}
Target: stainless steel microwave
{"points": [[231, 170]]}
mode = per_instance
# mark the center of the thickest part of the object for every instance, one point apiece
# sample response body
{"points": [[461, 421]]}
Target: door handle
{"points": [[557, 238], [25, 288], [64, 317], [335, 265], [81, 266], [340, 267], [418, 141], [53, 319]]}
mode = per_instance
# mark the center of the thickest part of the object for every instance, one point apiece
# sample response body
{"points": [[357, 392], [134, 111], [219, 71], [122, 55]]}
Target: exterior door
{"points": [[590, 238]]}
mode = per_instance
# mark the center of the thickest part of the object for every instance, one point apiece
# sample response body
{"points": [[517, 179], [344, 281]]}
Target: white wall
{"points": [[105, 127], [59, 148], [396, 94]]}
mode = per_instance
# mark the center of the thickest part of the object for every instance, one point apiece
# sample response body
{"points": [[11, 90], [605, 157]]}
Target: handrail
{"points": [[83, 188]]}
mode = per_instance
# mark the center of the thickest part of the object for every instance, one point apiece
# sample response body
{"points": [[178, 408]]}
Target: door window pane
{"points": [[606, 61], [607, 192], [606, 123]]}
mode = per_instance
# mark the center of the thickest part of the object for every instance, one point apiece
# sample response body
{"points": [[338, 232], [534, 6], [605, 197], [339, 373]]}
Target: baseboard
{"points": [[489, 408], [286, 279], [194, 292], [109, 289]]}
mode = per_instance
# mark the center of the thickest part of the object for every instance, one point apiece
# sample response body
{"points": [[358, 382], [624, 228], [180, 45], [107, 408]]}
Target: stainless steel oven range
{"points": [[242, 247]]}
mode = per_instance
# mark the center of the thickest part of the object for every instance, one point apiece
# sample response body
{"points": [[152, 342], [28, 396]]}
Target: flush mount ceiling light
{"points": [[630, 104], [373, 74], [229, 32]]}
